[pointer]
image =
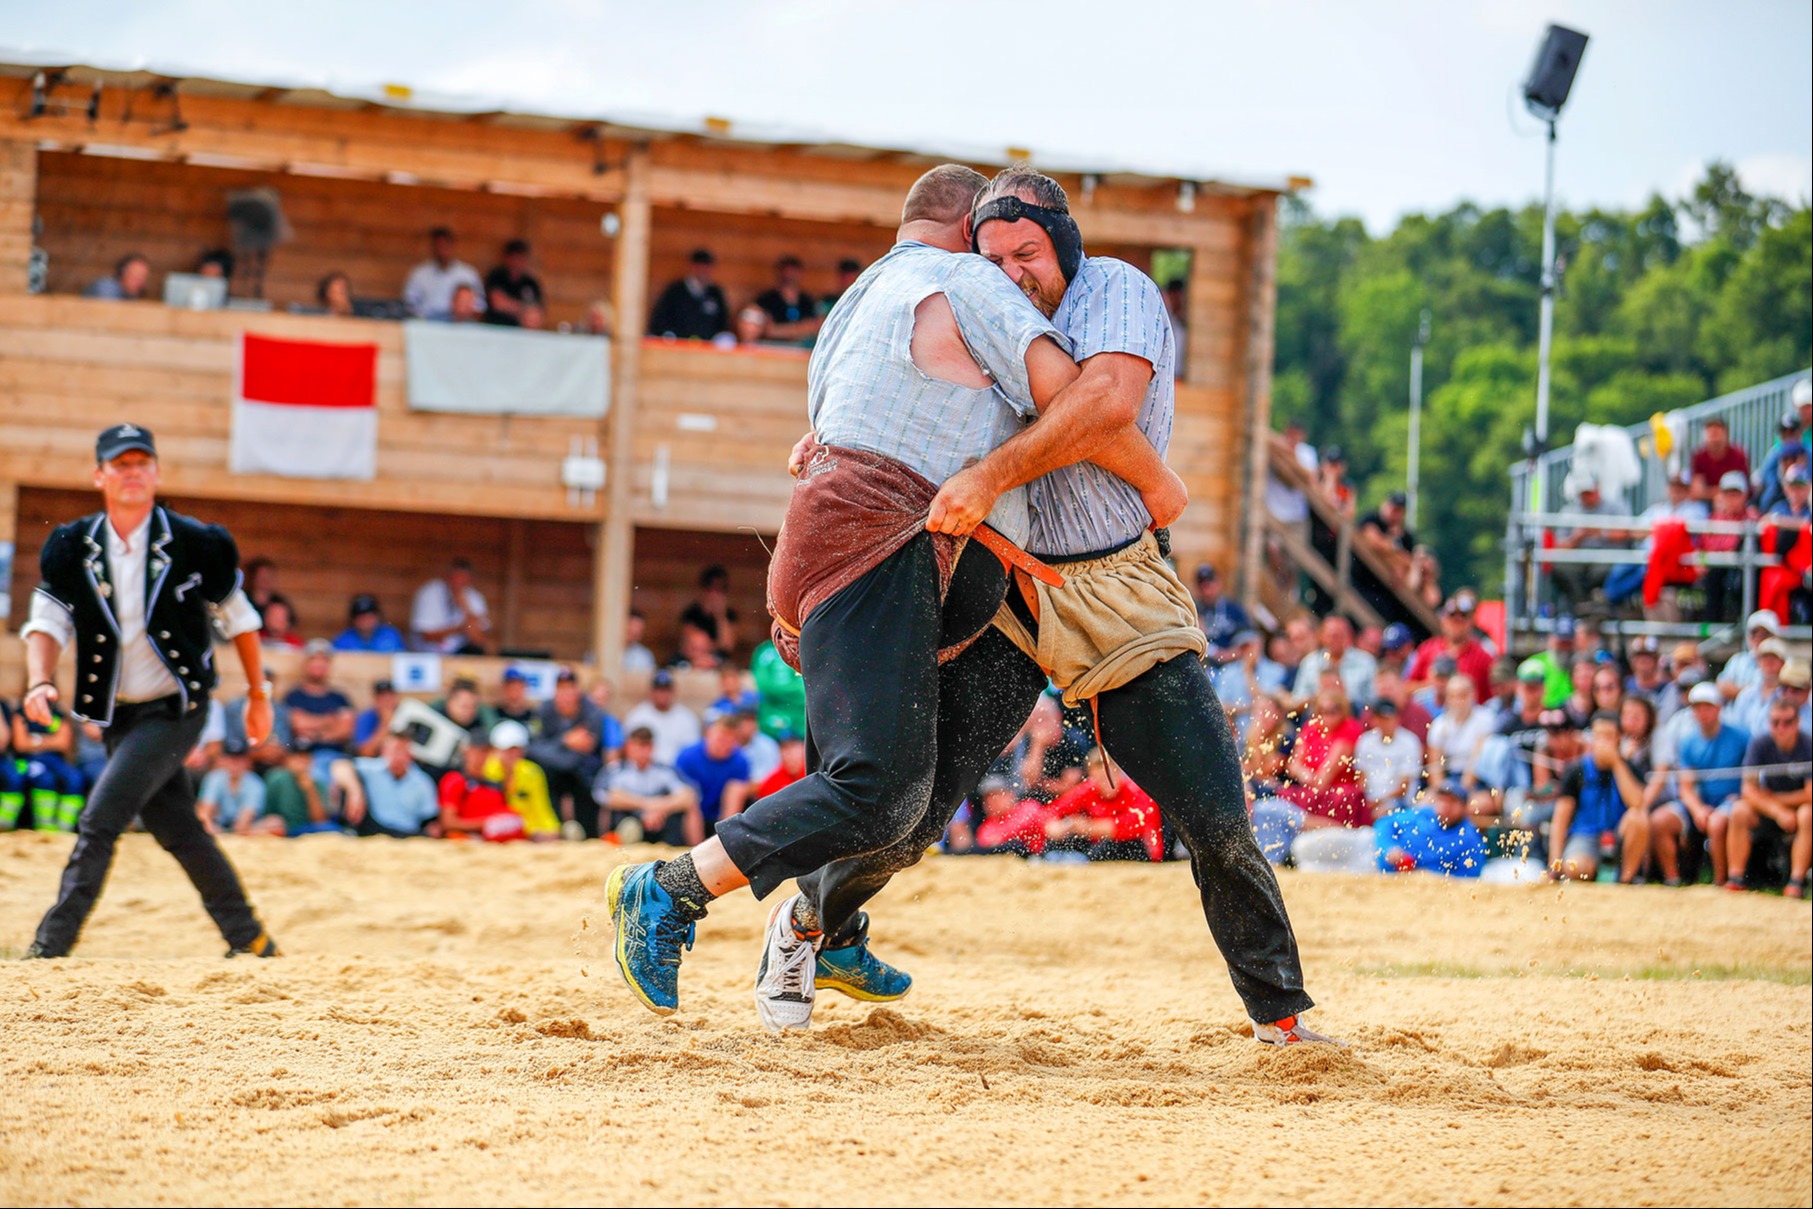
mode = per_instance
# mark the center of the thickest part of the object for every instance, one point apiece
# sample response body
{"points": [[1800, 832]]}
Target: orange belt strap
{"points": [[1015, 558]]}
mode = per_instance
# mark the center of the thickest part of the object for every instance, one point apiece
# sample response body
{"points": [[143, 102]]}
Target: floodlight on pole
{"points": [[1412, 473], [1545, 92]]}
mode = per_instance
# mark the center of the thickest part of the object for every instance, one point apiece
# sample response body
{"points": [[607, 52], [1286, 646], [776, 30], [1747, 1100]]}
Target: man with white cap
{"points": [[1749, 710], [1724, 585], [1740, 669], [1709, 779]]}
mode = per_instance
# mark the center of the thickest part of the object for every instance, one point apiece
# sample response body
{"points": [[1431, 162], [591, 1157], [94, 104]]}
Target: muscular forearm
{"points": [[1079, 423], [251, 658], [1128, 455], [41, 652]]}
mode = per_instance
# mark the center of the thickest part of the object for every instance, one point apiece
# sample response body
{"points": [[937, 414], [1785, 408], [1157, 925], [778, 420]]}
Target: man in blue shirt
{"points": [[717, 770], [1599, 810], [396, 798], [1436, 839], [1220, 617], [366, 629], [1710, 778]]}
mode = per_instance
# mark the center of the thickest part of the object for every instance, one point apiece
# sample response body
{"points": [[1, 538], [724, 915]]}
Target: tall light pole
{"points": [[1544, 93], [1412, 476]]}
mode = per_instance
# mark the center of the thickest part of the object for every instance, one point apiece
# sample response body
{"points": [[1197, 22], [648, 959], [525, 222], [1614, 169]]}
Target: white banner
{"points": [[492, 370]]}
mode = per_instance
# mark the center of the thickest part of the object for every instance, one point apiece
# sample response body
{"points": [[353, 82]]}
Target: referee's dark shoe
{"points": [[34, 952], [263, 946]]}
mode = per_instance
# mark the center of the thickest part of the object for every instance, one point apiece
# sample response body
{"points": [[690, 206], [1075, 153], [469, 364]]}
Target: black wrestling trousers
{"points": [[870, 658], [145, 779], [1168, 731]]}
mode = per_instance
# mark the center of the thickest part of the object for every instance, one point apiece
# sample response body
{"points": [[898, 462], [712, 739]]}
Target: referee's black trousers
{"points": [[145, 778], [1168, 731]]}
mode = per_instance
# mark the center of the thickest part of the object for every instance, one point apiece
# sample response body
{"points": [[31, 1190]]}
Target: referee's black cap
{"points": [[123, 438]]}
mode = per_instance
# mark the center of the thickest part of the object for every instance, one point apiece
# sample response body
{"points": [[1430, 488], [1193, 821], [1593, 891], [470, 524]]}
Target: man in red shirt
{"points": [[1457, 641], [1715, 459], [1107, 816]]}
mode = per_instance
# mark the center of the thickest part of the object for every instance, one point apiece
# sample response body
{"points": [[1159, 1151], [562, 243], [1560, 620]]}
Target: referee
{"points": [[141, 591]]}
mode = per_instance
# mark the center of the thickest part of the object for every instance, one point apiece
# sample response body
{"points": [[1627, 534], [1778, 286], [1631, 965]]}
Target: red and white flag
{"points": [[305, 410]]}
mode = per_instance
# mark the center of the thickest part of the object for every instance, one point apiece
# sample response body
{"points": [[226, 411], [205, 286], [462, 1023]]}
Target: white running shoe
{"points": [[1291, 1031], [785, 983]]}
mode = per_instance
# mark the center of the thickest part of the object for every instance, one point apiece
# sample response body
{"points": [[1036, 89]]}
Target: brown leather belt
{"points": [[1014, 558]]}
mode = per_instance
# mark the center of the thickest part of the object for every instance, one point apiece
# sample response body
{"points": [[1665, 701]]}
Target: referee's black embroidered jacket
{"points": [[191, 573]]}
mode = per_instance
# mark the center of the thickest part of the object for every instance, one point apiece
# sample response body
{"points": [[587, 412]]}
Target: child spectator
{"points": [[525, 784], [643, 799], [1774, 803], [472, 803], [232, 795], [43, 771], [1599, 810], [1437, 838], [1645, 679]]}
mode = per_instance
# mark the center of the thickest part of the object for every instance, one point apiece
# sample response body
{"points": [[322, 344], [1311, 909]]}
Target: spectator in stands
{"points": [[576, 740], [1437, 838], [465, 306], [762, 752], [1636, 734], [1624, 583], [464, 707], [1331, 477], [1397, 647], [131, 274], [733, 692], [1716, 458], [792, 313], [429, 293], [1412, 717], [791, 768], [848, 270], [1645, 679], [449, 615], [600, 319], [1797, 678], [1384, 532], [45, 772], [1775, 804], [1741, 669], [717, 770], [710, 612], [373, 722], [524, 782], [1577, 581], [984, 817], [320, 714], [674, 726], [389, 795], [1265, 754], [1787, 451], [1282, 651], [1043, 760], [1455, 739], [1579, 704], [637, 659], [216, 262], [1283, 500], [1337, 653], [1557, 659], [470, 803], [1106, 817], [1523, 726], [1389, 759], [1708, 780], [1458, 642], [1324, 783], [511, 290], [692, 308], [1749, 710], [1371, 639], [1503, 702], [334, 294], [1672, 696], [1607, 689], [1245, 678], [260, 581], [232, 795], [1301, 630], [295, 798], [1793, 510], [641, 798], [514, 703], [1599, 811], [279, 627], [1723, 586], [1220, 617], [366, 629]]}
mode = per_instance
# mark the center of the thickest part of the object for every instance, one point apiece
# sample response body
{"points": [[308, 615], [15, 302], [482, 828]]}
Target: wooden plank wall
{"points": [[70, 366], [536, 576]]}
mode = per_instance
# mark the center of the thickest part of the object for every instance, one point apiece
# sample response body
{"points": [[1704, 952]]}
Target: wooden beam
{"points": [[617, 533], [1304, 555], [1261, 280], [516, 556], [18, 192]]}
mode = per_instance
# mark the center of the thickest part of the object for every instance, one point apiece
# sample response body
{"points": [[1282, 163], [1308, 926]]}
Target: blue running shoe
{"points": [[650, 936], [858, 973]]}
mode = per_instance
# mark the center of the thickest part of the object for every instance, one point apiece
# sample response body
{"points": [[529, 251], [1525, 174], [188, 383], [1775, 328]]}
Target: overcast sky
{"points": [[1390, 106]]}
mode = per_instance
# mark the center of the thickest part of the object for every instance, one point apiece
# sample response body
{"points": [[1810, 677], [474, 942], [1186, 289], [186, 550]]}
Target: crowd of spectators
{"points": [[1582, 761], [784, 314]]}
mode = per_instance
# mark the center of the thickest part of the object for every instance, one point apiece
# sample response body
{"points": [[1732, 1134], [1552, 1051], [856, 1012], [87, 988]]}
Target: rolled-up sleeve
{"points": [[50, 616], [234, 615], [998, 326]]}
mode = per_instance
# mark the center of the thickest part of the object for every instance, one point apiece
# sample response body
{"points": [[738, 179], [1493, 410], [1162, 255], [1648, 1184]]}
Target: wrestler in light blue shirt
{"points": [[865, 392], [1109, 307]]}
